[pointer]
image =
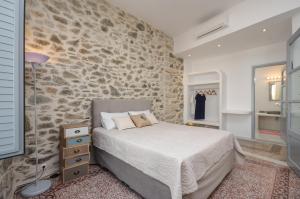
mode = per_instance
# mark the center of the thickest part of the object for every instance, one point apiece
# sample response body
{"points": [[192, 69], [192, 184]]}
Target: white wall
{"points": [[295, 22], [244, 14], [237, 70]]}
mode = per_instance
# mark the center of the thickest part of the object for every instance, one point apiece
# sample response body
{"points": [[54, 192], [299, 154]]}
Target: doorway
{"points": [[293, 102], [268, 103]]}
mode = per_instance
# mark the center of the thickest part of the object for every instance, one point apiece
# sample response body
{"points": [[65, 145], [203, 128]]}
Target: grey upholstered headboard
{"points": [[117, 105]]}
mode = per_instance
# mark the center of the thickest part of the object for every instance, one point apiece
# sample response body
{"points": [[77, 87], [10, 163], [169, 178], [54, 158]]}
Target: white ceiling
{"points": [[279, 29], [174, 16]]}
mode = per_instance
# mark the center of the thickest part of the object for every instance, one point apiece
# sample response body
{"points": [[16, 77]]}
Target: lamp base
{"points": [[35, 189]]}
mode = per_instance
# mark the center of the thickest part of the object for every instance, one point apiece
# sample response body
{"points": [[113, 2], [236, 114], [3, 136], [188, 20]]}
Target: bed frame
{"points": [[143, 184]]}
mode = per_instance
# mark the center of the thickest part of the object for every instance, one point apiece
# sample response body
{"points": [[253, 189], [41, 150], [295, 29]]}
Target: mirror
{"points": [[275, 91]]}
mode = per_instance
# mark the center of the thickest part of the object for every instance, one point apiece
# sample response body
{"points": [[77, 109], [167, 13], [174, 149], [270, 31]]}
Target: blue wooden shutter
{"points": [[11, 78]]}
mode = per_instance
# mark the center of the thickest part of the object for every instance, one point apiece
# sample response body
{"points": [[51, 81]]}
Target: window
{"points": [[11, 78]]}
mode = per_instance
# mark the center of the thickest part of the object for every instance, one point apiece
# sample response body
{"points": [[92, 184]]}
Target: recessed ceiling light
{"points": [[219, 45], [189, 55], [264, 30]]}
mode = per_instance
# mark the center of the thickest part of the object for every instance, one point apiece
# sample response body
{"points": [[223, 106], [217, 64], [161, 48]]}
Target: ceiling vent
{"points": [[212, 30]]}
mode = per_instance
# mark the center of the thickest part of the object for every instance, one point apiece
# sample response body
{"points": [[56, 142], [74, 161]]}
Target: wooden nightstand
{"points": [[74, 151]]}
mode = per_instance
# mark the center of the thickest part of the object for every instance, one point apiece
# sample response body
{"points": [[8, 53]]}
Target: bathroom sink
{"points": [[270, 112]]}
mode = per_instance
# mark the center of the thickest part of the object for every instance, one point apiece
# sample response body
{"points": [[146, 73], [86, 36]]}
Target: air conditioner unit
{"points": [[212, 30]]}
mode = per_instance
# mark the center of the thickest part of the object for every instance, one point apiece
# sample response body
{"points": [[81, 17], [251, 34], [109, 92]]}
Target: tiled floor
{"points": [[271, 138], [268, 150]]}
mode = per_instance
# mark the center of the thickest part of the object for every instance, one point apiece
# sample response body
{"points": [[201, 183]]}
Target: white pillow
{"points": [[107, 121], [146, 112], [123, 122], [151, 117]]}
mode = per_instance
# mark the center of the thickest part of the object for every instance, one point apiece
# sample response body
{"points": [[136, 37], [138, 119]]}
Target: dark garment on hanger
{"points": [[200, 107]]}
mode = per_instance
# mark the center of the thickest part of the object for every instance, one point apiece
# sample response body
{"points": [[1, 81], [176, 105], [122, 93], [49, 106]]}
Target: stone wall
{"points": [[6, 179], [96, 51]]}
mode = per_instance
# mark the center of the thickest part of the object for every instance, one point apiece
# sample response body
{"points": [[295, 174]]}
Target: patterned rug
{"points": [[261, 180], [254, 180]]}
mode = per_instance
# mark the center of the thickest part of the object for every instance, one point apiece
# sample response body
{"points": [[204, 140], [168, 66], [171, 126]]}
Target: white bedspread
{"points": [[176, 155]]}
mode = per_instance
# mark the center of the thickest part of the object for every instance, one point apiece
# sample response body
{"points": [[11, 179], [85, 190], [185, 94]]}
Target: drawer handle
{"points": [[78, 160], [76, 173], [78, 140], [77, 131], [76, 151]]}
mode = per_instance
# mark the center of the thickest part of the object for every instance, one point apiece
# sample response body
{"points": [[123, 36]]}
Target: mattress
{"points": [[176, 155]]}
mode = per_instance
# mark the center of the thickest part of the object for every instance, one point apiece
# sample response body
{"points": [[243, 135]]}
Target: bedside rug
{"points": [[255, 179], [98, 184], [261, 180]]}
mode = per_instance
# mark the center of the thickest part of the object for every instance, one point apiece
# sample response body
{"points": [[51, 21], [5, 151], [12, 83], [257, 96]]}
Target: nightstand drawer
{"points": [[69, 142], [75, 172], [74, 151], [73, 132], [76, 160]]}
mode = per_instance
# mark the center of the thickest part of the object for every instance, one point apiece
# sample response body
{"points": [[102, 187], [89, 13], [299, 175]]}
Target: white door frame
{"points": [[253, 114]]}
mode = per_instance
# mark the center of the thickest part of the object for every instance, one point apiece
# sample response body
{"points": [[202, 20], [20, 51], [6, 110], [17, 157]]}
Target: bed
{"points": [[163, 161]]}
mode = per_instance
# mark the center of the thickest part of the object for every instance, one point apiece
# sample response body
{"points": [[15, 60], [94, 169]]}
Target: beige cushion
{"points": [[140, 120], [107, 121], [151, 117], [123, 122]]}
